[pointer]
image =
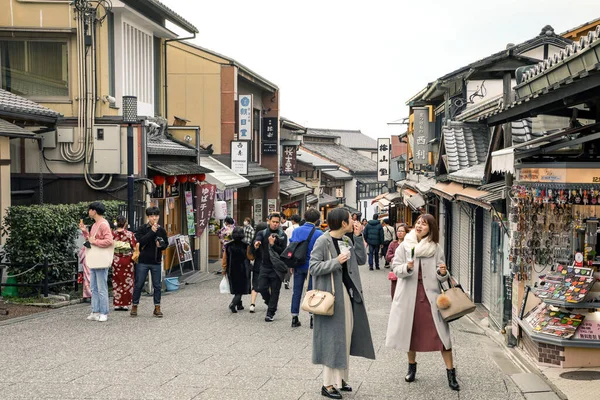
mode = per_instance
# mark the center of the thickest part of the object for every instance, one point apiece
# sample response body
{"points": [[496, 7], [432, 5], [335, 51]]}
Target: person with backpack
{"points": [[305, 236], [388, 237], [270, 278], [374, 237]]}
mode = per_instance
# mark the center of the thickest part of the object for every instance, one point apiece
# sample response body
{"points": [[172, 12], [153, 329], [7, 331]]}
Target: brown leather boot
{"points": [[157, 312], [133, 311]]}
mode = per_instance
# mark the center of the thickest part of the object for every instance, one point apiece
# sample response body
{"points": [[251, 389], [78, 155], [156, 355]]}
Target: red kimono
{"points": [[123, 271]]}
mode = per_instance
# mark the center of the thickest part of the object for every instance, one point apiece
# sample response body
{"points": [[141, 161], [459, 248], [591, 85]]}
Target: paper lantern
{"points": [[201, 177], [158, 180], [171, 179], [220, 209], [192, 178], [182, 178]]}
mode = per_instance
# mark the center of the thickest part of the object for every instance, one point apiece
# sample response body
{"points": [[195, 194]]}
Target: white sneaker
{"points": [[93, 316], [252, 307], [103, 318]]}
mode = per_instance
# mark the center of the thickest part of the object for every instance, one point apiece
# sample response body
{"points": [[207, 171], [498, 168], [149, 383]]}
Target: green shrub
{"points": [[49, 231]]}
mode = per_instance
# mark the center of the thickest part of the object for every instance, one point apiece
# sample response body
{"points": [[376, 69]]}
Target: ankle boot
{"points": [[295, 322], [452, 379], [157, 312], [232, 308], [412, 372], [133, 311], [240, 306]]}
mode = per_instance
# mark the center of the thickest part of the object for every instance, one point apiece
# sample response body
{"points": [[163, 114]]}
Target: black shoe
{"points": [[332, 393], [232, 308], [377, 268], [286, 285], [295, 322], [387, 265], [412, 372], [240, 306], [269, 318], [370, 268], [345, 387], [311, 322], [452, 379]]}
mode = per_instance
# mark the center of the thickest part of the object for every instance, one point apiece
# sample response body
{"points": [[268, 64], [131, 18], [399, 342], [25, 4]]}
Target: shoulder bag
{"points": [[99, 257], [454, 302], [319, 302]]}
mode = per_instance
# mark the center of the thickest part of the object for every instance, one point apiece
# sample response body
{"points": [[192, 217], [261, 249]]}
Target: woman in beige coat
{"points": [[415, 324]]}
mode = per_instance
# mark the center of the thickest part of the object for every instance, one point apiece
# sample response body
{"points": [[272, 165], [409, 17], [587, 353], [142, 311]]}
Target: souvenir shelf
{"points": [[567, 288]]}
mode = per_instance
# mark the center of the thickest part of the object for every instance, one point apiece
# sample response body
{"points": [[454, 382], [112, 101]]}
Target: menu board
{"points": [[568, 284], [556, 323]]}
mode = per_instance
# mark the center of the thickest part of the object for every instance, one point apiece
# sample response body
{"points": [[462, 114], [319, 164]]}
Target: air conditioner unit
{"points": [[107, 149]]}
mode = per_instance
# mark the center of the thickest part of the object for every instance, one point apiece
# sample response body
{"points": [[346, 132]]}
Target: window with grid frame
{"points": [[35, 68]]}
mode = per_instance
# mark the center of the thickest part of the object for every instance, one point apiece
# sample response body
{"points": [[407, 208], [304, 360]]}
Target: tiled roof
{"points": [[12, 130], [476, 114], [174, 168], [292, 188], [325, 199], [471, 176], [12, 104], [338, 174], [167, 13], [421, 183], [162, 145], [466, 144], [311, 198], [342, 155], [313, 161], [367, 179], [353, 139]]}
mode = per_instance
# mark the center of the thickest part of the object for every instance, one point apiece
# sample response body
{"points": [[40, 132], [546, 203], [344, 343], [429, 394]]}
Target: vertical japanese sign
{"points": [[239, 157], [270, 134], [245, 117], [189, 213], [258, 211], [205, 199], [383, 159], [288, 162], [271, 206], [422, 135]]}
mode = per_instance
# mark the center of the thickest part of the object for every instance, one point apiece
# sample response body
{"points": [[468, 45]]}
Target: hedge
{"points": [[48, 231]]}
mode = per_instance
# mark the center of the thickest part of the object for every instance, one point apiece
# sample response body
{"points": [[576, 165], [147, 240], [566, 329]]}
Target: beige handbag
{"points": [[319, 302], [99, 257], [454, 302]]}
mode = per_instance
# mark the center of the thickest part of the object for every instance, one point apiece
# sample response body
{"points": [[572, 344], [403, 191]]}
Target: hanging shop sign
{"points": [[270, 130], [288, 162], [271, 206], [205, 198], [159, 192], [245, 117], [269, 148], [579, 195], [559, 175], [189, 213], [258, 210], [422, 135], [172, 190], [383, 159], [239, 157]]}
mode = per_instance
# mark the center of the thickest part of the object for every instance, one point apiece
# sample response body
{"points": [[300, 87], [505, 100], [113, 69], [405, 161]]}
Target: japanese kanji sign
{"points": [[270, 130], [258, 210], [239, 157], [383, 159], [245, 117], [288, 160], [205, 201], [422, 136]]}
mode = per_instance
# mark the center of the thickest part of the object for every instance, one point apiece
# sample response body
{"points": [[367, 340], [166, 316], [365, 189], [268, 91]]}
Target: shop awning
{"points": [[173, 168], [413, 199], [311, 199], [313, 161], [222, 175], [483, 196], [376, 199], [447, 190], [338, 174], [504, 160], [383, 203], [13, 131], [473, 196], [328, 200], [291, 188], [393, 196]]}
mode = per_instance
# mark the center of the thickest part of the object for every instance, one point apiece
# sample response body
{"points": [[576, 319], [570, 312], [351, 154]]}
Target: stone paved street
{"points": [[202, 351]]}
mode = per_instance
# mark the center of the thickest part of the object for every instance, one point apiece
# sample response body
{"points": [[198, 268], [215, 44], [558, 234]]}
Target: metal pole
{"points": [[130, 217]]}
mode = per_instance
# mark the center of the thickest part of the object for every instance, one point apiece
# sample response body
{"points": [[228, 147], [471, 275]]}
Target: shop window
{"points": [[35, 68]]}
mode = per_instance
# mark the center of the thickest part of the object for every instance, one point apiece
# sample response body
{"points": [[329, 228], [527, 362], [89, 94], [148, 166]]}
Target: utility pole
{"points": [[130, 117]]}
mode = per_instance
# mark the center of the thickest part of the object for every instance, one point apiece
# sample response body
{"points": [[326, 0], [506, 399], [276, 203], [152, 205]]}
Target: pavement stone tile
{"points": [[530, 383], [218, 382], [106, 378], [52, 376], [135, 392], [542, 396], [219, 394], [44, 390]]}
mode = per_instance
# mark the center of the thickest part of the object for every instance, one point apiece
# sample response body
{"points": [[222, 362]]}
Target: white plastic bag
{"points": [[224, 286]]}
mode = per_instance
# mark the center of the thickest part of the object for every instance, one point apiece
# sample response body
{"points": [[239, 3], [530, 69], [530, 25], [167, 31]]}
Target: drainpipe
{"points": [[166, 71]]}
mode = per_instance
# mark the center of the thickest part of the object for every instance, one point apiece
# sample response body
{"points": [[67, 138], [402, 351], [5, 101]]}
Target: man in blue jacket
{"points": [[299, 234], [373, 235]]}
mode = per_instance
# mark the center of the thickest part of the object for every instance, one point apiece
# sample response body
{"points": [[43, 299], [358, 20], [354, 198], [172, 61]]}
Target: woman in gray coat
{"points": [[415, 323], [347, 332]]}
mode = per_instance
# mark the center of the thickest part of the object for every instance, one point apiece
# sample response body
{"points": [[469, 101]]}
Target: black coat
{"points": [[237, 273]]}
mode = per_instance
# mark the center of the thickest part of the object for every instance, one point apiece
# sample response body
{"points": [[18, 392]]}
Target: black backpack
{"points": [[295, 254]]}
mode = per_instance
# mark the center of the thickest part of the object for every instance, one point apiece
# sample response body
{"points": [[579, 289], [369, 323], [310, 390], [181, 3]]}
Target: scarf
{"points": [[423, 249]]}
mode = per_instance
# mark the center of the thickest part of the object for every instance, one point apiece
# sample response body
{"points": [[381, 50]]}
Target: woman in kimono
{"points": [[123, 268]]}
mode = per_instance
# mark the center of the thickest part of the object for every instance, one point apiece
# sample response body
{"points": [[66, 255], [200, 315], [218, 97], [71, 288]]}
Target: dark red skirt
{"points": [[424, 335]]}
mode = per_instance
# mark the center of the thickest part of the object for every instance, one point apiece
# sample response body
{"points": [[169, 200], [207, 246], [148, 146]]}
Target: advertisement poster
{"points": [[205, 198], [239, 157], [184, 250], [258, 211], [189, 213], [245, 117], [271, 206]]}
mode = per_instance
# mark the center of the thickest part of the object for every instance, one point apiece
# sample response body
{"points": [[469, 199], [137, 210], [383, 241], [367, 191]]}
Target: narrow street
{"points": [[202, 351]]}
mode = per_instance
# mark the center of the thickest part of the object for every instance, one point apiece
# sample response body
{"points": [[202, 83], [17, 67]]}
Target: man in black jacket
{"points": [[269, 279], [152, 239]]}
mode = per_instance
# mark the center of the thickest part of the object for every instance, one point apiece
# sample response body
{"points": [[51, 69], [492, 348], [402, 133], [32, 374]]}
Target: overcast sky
{"points": [[354, 64]]}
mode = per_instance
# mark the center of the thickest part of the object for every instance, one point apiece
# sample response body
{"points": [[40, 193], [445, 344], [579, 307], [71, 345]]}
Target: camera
{"points": [[161, 241], [88, 244]]}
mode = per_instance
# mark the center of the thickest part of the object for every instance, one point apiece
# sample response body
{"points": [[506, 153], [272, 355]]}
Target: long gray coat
{"points": [[329, 334], [403, 306]]}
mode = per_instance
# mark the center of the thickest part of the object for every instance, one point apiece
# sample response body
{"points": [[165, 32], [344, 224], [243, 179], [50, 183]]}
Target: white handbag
{"points": [[99, 257]]}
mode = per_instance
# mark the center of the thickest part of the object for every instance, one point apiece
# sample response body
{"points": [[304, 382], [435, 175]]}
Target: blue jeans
{"points": [[299, 279], [141, 272], [99, 287], [373, 251]]}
